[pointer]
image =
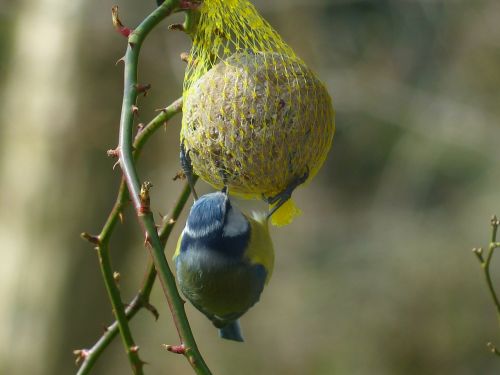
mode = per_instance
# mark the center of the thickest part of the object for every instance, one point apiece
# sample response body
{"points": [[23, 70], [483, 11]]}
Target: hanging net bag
{"points": [[255, 117]]}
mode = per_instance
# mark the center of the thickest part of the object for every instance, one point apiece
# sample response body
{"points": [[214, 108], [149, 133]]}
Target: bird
{"points": [[223, 260]]}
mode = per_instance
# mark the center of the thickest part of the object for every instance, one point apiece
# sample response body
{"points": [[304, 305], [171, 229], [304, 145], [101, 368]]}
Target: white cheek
{"points": [[236, 224]]}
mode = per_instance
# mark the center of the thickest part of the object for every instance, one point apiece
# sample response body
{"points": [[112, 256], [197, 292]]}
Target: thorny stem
{"points": [[485, 265], [88, 357], [102, 248], [142, 297], [166, 277], [114, 296], [140, 139]]}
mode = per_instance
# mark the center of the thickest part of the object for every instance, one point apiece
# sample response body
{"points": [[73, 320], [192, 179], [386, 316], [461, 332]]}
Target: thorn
{"points": [[114, 153], [92, 239], [495, 223], [189, 4], [105, 329], [140, 127], [116, 277], [135, 109], [81, 355], [120, 60], [177, 27], [171, 221], [143, 88], [120, 216], [184, 57], [125, 31], [493, 348], [134, 349], [114, 165], [479, 253], [179, 176], [147, 240], [177, 349], [192, 360], [151, 309]]}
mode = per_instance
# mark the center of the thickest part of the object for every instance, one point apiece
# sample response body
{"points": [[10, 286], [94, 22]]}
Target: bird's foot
{"points": [[187, 168], [279, 199]]}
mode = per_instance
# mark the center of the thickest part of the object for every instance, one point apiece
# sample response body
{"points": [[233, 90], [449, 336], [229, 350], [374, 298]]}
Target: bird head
{"points": [[214, 215]]}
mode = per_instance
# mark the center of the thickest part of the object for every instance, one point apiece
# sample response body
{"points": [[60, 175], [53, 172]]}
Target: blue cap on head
{"points": [[214, 224], [208, 214]]}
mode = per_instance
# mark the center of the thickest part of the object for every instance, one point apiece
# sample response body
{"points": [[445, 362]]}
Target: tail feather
{"points": [[231, 332]]}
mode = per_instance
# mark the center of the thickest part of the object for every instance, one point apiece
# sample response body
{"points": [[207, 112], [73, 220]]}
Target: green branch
{"points": [[139, 193], [88, 357], [142, 297], [131, 348], [485, 265]]}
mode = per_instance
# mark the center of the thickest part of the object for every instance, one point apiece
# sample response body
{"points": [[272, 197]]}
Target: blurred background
{"points": [[376, 276]]}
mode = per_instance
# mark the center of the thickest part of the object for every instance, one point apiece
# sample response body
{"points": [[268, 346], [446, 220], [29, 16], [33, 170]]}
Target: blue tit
{"points": [[223, 260]]}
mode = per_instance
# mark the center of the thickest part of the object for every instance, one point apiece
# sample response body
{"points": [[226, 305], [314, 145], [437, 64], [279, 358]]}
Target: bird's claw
{"points": [[279, 199], [187, 168]]}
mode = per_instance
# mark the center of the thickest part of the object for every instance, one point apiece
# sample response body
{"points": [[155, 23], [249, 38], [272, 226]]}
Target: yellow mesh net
{"points": [[255, 117]]}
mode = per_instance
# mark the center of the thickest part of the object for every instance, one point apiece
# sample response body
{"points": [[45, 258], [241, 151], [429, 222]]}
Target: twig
{"points": [[166, 277], [102, 249], [485, 265], [90, 356], [115, 298]]}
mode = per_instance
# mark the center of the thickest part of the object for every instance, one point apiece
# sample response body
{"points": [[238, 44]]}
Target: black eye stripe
{"points": [[231, 247]]}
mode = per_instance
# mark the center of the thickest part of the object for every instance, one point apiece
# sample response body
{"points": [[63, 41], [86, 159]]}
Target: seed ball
{"points": [[255, 122]]}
